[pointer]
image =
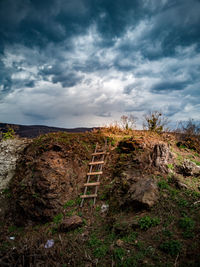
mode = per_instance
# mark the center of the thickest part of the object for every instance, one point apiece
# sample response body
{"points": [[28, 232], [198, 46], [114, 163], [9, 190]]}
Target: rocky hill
{"points": [[147, 211]]}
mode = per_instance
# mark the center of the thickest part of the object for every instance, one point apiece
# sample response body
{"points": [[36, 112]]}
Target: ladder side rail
{"points": [[98, 178], [88, 177]]}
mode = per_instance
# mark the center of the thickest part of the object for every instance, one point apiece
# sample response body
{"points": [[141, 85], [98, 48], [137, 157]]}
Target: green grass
{"points": [[98, 247], [58, 218], [196, 162]]}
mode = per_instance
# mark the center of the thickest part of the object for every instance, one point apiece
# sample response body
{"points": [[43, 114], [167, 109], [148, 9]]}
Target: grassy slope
{"points": [[166, 235]]}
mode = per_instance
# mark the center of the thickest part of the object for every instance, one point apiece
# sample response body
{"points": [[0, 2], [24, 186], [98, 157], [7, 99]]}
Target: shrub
{"points": [[172, 247], [9, 134], [189, 128], [155, 122]]}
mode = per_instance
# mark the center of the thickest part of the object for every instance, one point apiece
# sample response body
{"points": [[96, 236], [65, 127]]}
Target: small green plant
{"points": [[70, 213], [6, 192], [167, 233], [182, 147], [98, 208], [187, 225], [146, 222], [99, 248], [130, 238], [69, 203], [182, 202], [170, 166], [9, 134], [101, 251], [163, 184], [79, 213], [196, 162], [35, 195], [119, 254], [172, 247], [78, 201], [58, 218]]}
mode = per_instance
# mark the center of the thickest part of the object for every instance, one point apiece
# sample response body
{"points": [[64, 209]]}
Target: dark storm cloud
{"points": [[169, 86], [100, 57]]}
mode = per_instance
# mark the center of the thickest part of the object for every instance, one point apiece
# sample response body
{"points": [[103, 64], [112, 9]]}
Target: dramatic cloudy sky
{"points": [[77, 63]]}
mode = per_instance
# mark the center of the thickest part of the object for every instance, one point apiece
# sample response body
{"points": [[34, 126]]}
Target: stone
{"points": [[144, 192], [70, 223], [104, 208], [161, 157], [181, 185], [134, 190], [119, 243], [188, 168], [10, 150]]}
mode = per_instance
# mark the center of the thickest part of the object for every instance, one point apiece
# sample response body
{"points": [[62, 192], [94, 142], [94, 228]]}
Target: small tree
{"points": [[155, 122]]}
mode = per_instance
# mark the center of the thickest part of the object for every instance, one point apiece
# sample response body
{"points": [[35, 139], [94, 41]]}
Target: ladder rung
{"points": [[88, 196], [94, 173], [98, 153], [96, 163], [92, 184]]}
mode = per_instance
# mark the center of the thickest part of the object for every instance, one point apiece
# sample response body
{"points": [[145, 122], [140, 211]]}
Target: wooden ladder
{"points": [[96, 166]]}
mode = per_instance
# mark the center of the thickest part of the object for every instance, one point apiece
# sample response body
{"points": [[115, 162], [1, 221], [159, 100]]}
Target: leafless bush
{"points": [[189, 128], [128, 122]]}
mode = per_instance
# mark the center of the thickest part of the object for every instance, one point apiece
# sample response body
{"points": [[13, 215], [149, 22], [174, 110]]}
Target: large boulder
{"points": [[144, 192], [134, 191]]}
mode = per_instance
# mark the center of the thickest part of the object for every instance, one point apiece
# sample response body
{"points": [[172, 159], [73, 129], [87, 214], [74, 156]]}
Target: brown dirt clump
{"points": [[51, 172]]}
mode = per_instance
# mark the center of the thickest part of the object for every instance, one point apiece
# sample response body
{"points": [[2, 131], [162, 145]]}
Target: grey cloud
{"points": [[169, 86], [67, 80]]}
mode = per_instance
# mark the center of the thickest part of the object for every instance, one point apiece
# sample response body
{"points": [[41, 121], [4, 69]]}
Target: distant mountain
{"points": [[31, 131]]}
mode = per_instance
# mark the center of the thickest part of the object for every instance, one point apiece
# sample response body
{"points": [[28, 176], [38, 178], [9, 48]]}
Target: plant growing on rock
{"points": [[9, 134]]}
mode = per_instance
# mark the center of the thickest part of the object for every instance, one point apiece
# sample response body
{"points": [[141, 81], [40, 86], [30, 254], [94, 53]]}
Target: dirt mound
{"points": [[51, 172], [190, 142]]}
